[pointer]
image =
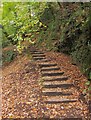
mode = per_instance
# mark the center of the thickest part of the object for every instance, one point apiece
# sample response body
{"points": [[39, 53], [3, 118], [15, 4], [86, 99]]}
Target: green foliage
{"points": [[20, 18], [88, 84], [90, 74], [75, 35], [8, 56], [5, 42], [69, 27]]}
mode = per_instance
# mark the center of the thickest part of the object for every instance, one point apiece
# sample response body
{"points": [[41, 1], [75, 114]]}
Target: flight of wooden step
{"points": [[56, 87]]}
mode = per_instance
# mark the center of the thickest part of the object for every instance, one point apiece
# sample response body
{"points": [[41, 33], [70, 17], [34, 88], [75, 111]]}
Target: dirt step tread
{"points": [[47, 64], [52, 73], [56, 82], [38, 58], [50, 68], [44, 60], [38, 53], [58, 85], [57, 71]]}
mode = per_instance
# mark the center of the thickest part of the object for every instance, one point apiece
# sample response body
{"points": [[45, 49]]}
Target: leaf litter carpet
{"points": [[43, 87]]}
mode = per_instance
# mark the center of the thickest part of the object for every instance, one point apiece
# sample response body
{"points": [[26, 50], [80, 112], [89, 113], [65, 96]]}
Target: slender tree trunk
{"points": [[60, 5], [49, 5], [89, 20]]}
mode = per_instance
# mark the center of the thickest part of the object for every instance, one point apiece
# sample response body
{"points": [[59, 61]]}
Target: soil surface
{"points": [[22, 89]]}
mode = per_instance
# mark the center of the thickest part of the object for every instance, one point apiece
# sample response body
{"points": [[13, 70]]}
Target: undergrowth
{"points": [[68, 31], [8, 56]]}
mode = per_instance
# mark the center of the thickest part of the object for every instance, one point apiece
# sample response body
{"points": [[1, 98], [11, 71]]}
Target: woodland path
{"points": [[47, 87], [57, 87]]}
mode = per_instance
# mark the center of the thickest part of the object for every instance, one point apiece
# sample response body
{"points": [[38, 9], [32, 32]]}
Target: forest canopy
{"points": [[63, 27], [20, 18]]}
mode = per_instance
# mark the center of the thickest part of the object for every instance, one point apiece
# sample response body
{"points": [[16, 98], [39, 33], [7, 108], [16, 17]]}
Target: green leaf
{"points": [[87, 83], [84, 91], [90, 75], [89, 88]]}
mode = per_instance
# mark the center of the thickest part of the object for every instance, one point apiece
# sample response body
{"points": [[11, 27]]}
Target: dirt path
{"points": [[36, 88], [21, 92]]}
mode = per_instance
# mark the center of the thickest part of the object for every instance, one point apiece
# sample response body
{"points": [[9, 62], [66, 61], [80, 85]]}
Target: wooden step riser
{"points": [[38, 58], [56, 102], [44, 60], [56, 94], [35, 51], [66, 86], [47, 65], [50, 69], [56, 79], [38, 55]]}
